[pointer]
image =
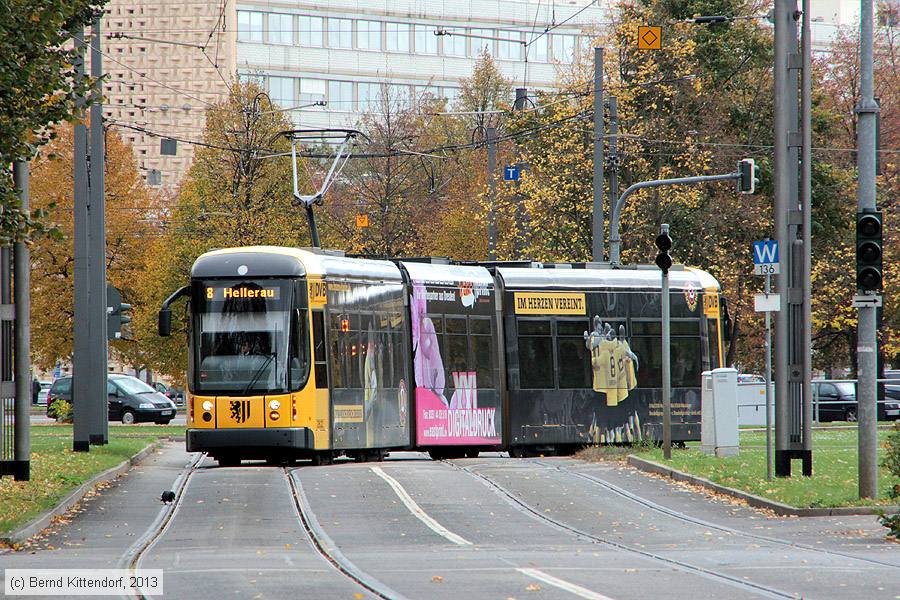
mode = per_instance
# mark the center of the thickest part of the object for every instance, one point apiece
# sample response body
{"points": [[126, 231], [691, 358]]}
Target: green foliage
{"points": [[892, 522], [61, 410], [891, 460], [38, 88]]}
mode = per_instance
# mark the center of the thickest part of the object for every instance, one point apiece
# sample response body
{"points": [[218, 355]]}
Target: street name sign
{"points": [[765, 258]]}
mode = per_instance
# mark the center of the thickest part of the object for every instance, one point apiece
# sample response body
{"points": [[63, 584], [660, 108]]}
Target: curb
{"points": [[44, 520], [780, 509]]}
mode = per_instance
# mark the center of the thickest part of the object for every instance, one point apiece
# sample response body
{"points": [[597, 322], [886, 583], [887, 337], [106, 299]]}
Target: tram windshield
{"points": [[243, 338]]}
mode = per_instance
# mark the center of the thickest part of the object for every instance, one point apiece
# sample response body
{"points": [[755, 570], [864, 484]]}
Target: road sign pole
{"points": [[597, 224], [867, 340], [666, 369], [492, 185], [769, 465]]}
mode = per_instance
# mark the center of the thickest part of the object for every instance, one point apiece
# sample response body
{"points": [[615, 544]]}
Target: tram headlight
{"points": [[273, 415], [274, 404], [207, 405]]}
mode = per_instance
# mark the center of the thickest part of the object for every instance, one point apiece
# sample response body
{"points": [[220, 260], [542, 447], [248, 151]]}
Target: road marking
{"points": [[416, 510], [563, 585]]}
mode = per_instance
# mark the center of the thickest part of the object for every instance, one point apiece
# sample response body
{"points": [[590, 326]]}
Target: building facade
{"points": [[168, 61]]}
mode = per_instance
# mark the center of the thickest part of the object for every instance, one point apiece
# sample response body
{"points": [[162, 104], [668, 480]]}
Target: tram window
{"points": [[482, 349], [457, 360], [533, 327], [646, 328], [574, 363], [480, 326], [691, 328], [318, 325], [536, 362], [356, 360], [456, 325], [649, 353], [337, 361], [572, 327], [685, 362]]}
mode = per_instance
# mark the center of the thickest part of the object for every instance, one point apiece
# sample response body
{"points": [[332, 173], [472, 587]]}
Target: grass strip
{"points": [[834, 482], [56, 470]]}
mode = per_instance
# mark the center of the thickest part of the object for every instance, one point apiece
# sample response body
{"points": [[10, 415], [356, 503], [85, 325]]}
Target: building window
{"points": [[281, 91], [426, 41], [564, 48], [368, 35], [368, 96], [451, 94], [399, 95], [281, 29], [311, 31], [479, 44], [250, 26], [397, 37], [511, 50], [539, 48], [340, 33], [312, 90], [455, 45], [254, 78], [340, 95]]}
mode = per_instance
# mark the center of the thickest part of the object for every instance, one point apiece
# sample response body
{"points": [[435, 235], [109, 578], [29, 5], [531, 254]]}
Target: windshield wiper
{"points": [[258, 372]]}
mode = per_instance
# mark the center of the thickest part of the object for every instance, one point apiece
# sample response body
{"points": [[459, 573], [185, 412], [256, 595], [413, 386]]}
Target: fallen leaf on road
{"points": [[532, 587], [437, 579]]}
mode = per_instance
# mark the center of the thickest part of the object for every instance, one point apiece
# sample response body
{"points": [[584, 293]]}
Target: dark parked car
{"points": [[130, 400], [170, 392], [836, 400], [891, 395]]}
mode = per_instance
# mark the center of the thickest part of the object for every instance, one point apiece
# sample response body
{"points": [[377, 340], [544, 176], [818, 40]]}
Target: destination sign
{"points": [[560, 303], [243, 292]]}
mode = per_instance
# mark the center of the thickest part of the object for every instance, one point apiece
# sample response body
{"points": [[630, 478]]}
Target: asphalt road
{"points": [[491, 527]]}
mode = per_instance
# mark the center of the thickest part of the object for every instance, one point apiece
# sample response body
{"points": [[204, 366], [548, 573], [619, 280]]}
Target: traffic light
{"points": [[747, 169], [117, 313], [664, 243], [869, 253]]}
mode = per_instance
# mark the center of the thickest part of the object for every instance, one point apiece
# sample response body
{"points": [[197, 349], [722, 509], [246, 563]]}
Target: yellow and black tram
{"points": [[298, 353]]}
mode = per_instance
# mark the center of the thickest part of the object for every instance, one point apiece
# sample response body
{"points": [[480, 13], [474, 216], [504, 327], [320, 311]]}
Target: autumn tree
{"points": [[238, 192], [129, 212], [838, 76], [399, 186], [38, 88]]}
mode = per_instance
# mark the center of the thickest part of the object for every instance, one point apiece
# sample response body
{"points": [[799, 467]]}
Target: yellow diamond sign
{"points": [[649, 38]]}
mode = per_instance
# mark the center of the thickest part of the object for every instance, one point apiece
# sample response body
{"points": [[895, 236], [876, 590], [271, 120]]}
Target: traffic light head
{"points": [[664, 244], [869, 251], [746, 183]]}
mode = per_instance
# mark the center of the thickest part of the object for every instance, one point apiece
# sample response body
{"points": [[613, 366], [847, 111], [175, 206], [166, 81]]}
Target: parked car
{"points": [[891, 396], [170, 392], [42, 395], [61, 389], [836, 400], [130, 400]]}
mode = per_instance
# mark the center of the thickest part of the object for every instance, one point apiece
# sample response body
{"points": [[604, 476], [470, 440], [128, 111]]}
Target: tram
{"points": [[308, 353]]}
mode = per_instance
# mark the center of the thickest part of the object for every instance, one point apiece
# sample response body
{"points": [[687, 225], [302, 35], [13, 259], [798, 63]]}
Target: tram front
{"points": [[248, 359]]}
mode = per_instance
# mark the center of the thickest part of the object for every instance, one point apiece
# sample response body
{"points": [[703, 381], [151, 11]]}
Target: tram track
{"points": [[521, 505], [326, 547], [678, 515], [132, 558]]}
